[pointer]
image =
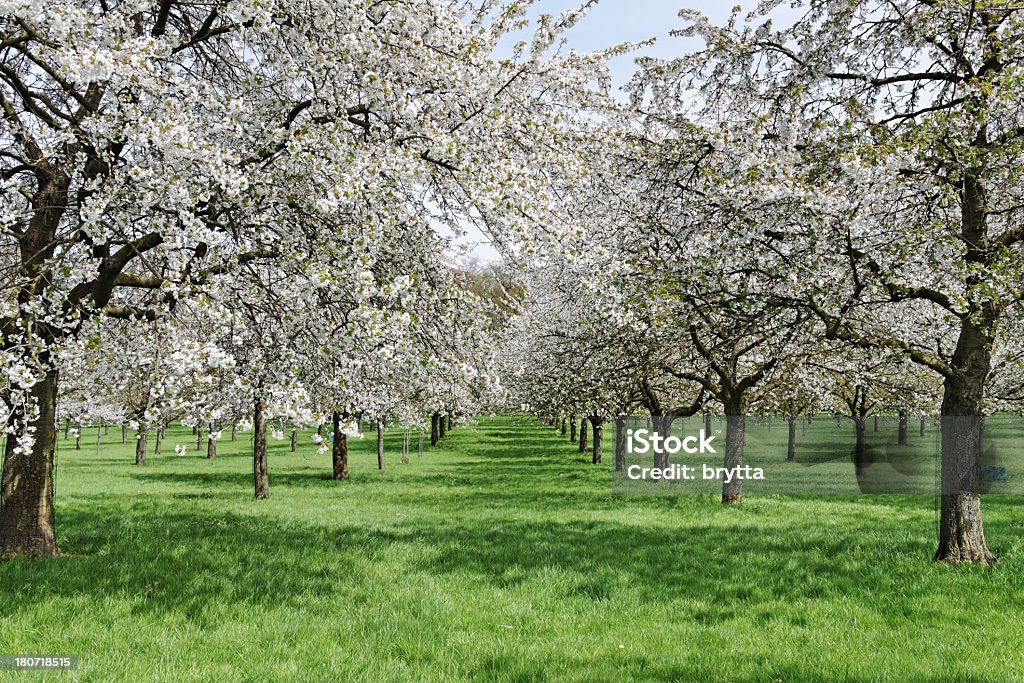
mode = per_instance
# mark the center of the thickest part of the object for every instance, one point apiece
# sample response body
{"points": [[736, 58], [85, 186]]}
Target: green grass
{"points": [[501, 556]]}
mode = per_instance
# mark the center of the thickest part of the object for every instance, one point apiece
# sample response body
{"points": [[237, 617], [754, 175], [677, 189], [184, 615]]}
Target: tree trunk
{"points": [[260, 476], [791, 445], [140, 445], [199, 437], [921, 433], [598, 448], [159, 440], [339, 452], [876, 423], [961, 535], [901, 438], [620, 444], [451, 422], [434, 430], [735, 439], [124, 433], [380, 444], [443, 427], [707, 423], [572, 429], [26, 503], [295, 442], [563, 427], [859, 447], [78, 437], [211, 444], [583, 435], [234, 430]]}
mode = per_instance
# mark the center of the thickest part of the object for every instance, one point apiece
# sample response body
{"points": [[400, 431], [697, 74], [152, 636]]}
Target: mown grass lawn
{"points": [[502, 555]]}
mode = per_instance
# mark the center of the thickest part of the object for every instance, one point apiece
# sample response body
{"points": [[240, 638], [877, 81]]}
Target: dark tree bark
{"points": [[434, 429], [572, 429], [211, 444], [563, 427], [707, 423], [380, 444], [901, 437], [620, 444], [140, 445], [921, 433], [339, 452], [961, 534], [159, 439], [442, 427], [260, 476], [295, 442], [78, 437], [735, 438], [234, 430], [124, 433], [791, 444], [860, 446], [26, 487], [583, 435], [876, 423], [451, 422], [199, 437], [597, 424]]}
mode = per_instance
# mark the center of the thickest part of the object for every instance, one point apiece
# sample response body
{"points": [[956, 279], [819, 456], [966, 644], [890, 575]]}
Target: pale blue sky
{"points": [[617, 21]]}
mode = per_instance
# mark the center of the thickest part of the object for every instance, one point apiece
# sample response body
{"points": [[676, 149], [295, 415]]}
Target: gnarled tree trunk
{"points": [[26, 490]]}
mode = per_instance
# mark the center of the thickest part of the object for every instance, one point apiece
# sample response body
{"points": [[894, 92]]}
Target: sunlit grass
{"points": [[502, 555]]}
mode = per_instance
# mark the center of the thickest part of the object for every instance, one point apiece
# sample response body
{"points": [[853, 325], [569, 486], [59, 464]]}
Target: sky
{"points": [[612, 22]]}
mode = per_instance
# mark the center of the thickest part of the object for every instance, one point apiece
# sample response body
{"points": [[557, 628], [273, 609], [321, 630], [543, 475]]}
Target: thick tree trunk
{"points": [[791, 444], [572, 429], [860, 446], [961, 535], [901, 437], [563, 427], [442, 427], [583, 435], [211, 443], [434, 429], [26, 489], [597, 450], [140, 445], [735, 439], [260, 476], [380, 444], [620, 444], [339, 452]]}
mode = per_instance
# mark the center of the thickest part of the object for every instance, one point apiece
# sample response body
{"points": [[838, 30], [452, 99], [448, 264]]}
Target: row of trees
{"points": [[224, 208], [827, 214]]}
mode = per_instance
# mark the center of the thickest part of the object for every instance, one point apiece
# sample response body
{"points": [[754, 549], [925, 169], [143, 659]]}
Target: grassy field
{"points": [[501, 556]]}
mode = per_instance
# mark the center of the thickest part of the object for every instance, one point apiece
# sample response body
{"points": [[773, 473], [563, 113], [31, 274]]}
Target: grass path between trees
{"points": [[501, 556]]}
